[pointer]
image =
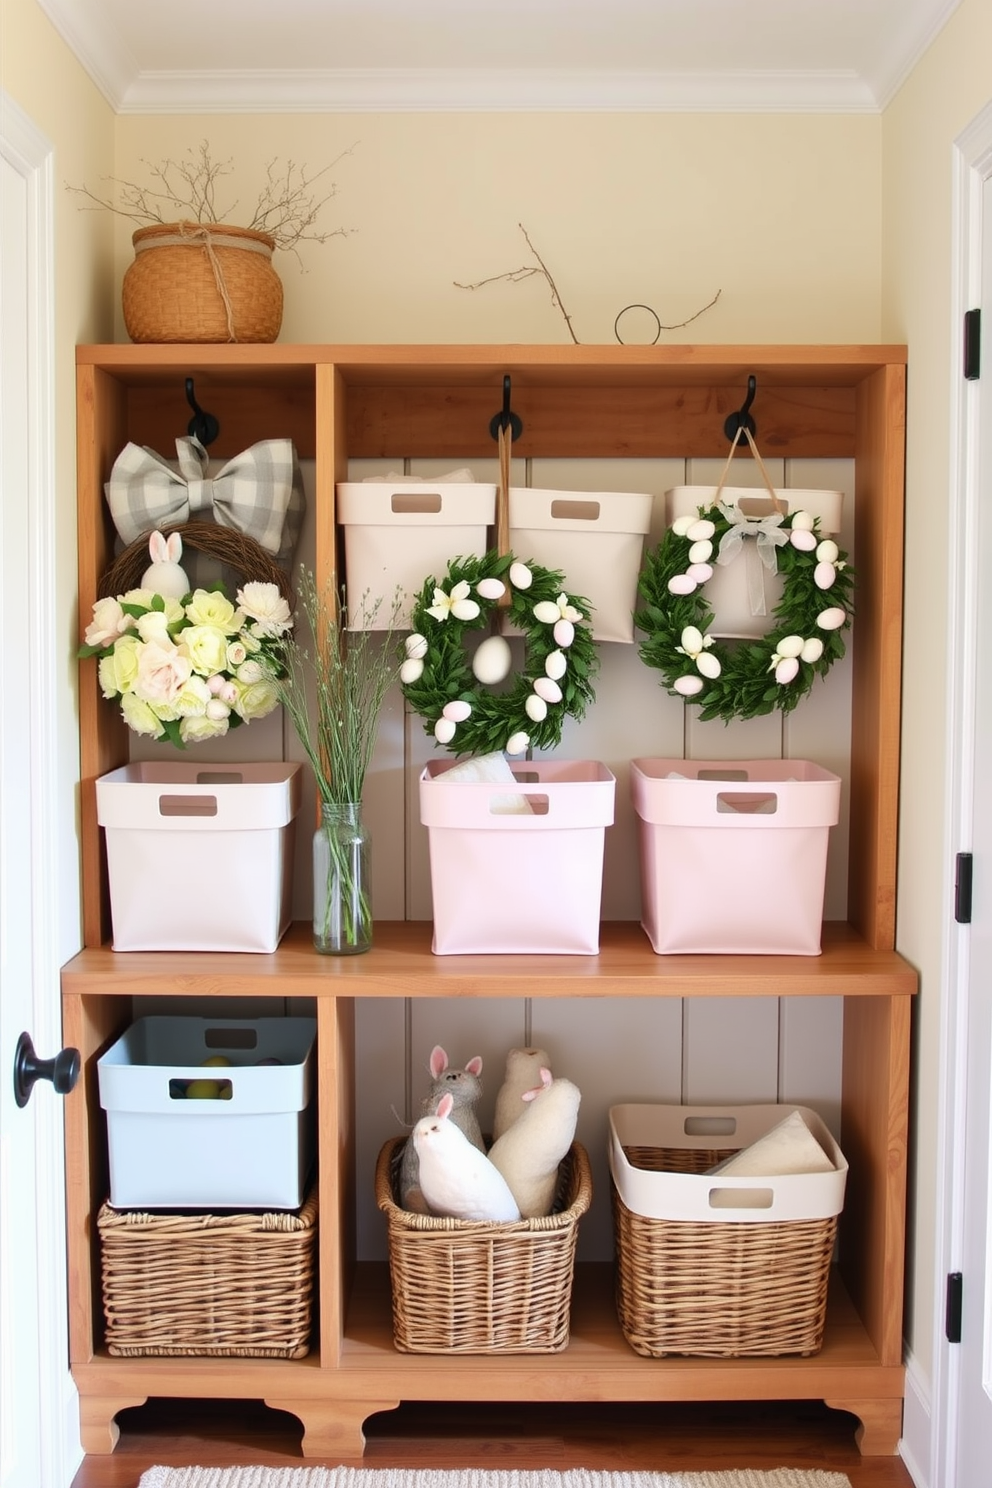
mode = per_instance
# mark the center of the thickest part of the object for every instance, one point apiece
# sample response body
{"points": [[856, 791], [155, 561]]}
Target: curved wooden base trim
{"points": [[332, 1428], [99, 1433], [881, 1424]]}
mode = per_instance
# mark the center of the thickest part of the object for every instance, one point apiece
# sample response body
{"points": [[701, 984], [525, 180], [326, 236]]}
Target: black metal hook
{"points": [[506, 418], [736, 422], [203, 426]]}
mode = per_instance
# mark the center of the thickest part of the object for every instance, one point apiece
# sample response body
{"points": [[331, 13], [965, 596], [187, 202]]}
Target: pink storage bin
{"points": [[733, 853], [516, 882]]}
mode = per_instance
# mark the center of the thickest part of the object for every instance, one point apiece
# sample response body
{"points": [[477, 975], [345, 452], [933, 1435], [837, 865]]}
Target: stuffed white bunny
{"points": [[456, 1178], [529, 1152], [465, 1087], [165, 576]]}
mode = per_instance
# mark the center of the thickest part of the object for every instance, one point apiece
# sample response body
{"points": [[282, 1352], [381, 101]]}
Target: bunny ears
{"points": [[165, 576]]}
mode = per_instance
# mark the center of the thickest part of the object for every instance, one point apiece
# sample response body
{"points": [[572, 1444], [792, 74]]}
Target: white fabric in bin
{"points": [[490, 769], [789, 1147]]}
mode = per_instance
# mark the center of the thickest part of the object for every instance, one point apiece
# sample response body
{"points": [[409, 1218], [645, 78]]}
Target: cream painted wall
{"points": [[780, 214], [42, 76], [951, 84]]}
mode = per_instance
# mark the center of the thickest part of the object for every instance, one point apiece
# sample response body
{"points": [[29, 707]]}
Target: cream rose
{"points": [[192, 701], [163, 671], [263, 604], [210, 608], [109, 621], [196, 730], [119, 670], [206, 646], [257, 700], [140, 717]]}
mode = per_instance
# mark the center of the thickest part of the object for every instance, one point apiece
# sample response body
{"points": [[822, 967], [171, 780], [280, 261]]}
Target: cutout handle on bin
{"points": [[710, 1126], [747, 803], [741, 1198], [402, 502], [231, 1038], [576, 511], [509, 805], [187, 805]]}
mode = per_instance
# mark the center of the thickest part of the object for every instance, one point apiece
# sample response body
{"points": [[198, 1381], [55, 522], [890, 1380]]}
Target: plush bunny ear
{"points": [[157, 548], [546, 1078], [439, 1061], [174, 548], [474, 1066], [444, 1106]]}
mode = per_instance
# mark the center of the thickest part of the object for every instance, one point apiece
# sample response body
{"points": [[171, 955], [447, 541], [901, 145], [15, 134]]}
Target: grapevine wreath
{"points": [[454, 700], [746, 678]]}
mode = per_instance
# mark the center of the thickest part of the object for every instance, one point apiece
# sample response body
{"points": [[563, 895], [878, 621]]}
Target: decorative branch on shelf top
{"points": [[541, 270]]}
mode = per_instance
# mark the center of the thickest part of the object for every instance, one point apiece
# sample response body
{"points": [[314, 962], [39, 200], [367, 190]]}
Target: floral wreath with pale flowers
{"points": [[451, 693], [746, 678]]}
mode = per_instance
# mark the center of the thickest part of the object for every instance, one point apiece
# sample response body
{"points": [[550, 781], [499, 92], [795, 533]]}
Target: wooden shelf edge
{"points": [[401, 964]]}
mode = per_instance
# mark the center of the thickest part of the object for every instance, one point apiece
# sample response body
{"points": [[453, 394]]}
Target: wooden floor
{"points": [[609, 1437]]}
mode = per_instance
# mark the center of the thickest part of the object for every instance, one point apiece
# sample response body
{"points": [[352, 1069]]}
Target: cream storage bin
{"points": [[727, 592], [714, 1265], [184, 1136], [199, 859], [733, 853], [596, 539], [518, 881], [396, 534]]}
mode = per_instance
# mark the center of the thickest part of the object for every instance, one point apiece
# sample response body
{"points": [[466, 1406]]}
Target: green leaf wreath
{"points": [[743, 679], [560, 656]]}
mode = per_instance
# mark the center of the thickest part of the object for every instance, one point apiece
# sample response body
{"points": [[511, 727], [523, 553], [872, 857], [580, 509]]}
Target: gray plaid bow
{"points": [[259, 492]]}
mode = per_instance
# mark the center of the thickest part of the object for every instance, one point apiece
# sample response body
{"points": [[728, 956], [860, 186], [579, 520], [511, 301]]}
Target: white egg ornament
{"points": [[548, 689], [682, 584], [701, 530], [518, 743], [831, 619], [701, 551], [708, 664], [688, 686], [802, 539], [824, 575], [701, 572], [803, 521], [415, 646], [520, 576], [536, 708], [812, 650], [492, 661], [787, 670], [490, 588], [412, 670], [564, 633], [457, 711], [828, 551]]}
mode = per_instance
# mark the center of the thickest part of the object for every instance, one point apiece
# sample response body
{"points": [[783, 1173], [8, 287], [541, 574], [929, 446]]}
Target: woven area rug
{"points": [[470, 1477]]}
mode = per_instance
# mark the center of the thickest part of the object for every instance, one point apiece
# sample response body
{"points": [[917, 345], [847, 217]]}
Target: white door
{"points": [[36, 1430], [974, 1430]]}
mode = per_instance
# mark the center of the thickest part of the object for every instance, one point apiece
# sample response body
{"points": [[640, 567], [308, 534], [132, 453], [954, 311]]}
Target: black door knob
{"points": [[63, 1070]]}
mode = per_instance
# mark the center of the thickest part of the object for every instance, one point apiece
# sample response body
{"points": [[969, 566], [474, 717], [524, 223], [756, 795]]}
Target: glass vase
{"points": [[342, 885]]}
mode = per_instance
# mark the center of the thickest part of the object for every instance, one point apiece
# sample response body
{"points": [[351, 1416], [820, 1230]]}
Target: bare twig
{"points": [[186, 189], [528, 271]]}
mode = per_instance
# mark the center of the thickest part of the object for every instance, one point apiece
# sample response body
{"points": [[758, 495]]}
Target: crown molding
{"points": [[468, 90], [899, 62], [111, 65]]}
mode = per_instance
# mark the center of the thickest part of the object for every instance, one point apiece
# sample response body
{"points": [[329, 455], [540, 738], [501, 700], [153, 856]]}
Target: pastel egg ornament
{"points": [[831, 619], [492, 661], [824, 575], [491, 588]]}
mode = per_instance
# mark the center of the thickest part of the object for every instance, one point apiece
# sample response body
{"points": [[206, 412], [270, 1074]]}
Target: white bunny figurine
{"points": [[529, 1152], [165, 576], [522, 1073], [456, 1178], [465, 1087]]}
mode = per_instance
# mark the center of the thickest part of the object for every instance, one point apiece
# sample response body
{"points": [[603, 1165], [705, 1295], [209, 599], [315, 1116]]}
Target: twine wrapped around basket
{"points": [[245, 558], [202, 281]]}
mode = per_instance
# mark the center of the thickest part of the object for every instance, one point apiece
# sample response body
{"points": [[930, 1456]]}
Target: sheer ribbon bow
{"points": [[759, 556]]}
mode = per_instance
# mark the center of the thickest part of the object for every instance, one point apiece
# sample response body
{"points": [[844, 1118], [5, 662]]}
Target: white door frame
{"points": [[27, 151], [972, 169]]}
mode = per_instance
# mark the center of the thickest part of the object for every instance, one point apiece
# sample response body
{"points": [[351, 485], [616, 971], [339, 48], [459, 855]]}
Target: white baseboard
{"points": [[915, 1446]]}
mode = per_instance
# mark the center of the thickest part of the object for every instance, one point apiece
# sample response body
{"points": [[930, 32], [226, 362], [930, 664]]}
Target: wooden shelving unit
{"points": [[344, 402]]}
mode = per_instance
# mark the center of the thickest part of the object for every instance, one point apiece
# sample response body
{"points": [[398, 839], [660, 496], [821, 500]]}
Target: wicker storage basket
{"points": [[239, 1285], [195, 281], [723, 1289], [465, 1287]]}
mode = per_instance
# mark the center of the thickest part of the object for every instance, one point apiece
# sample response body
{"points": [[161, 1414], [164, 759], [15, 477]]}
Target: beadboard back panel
{"points": [[708, 1051]]}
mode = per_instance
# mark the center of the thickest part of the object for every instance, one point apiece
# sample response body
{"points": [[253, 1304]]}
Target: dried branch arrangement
{"points": [[540, 268], [287, 208]]}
